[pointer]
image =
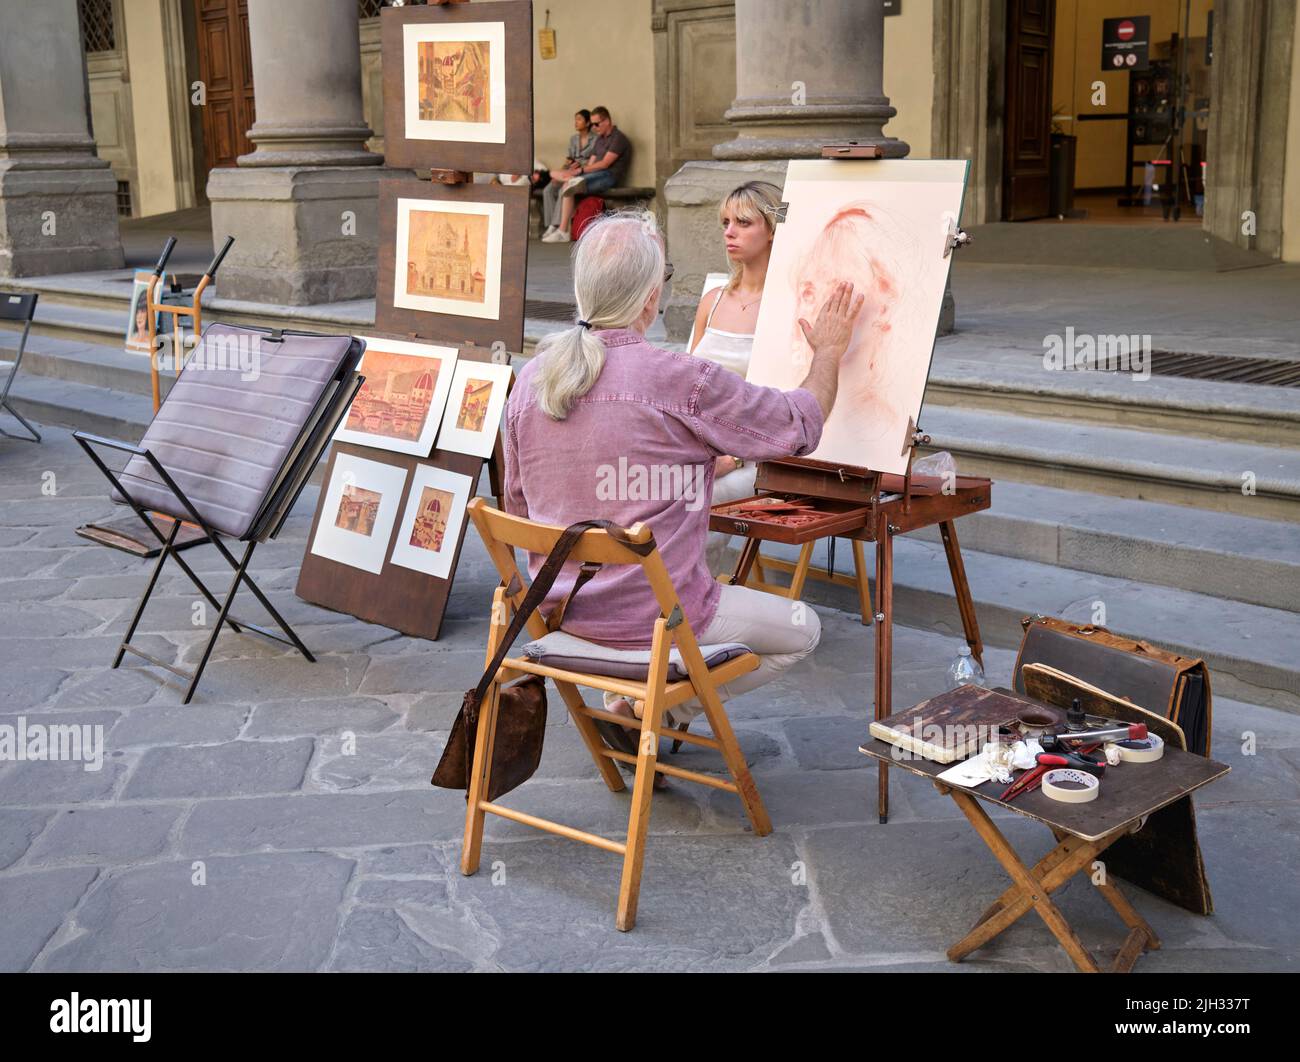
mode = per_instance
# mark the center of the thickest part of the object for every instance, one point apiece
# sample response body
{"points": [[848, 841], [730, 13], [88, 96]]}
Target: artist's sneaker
{"points": [[550, 229], [558, 236]]}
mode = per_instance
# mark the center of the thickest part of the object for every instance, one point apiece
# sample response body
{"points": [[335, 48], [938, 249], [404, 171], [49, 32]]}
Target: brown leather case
{"points": [[1176, 687], [1164, 856]]}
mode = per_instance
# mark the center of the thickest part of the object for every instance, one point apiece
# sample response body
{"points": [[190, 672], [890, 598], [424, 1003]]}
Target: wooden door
{"points": [[226, 69], [1026, 173]]}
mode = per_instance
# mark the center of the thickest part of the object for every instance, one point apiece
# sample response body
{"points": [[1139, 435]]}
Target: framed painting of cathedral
{"points": [[448, 258], [458, 84], [452, 262], [399, 407]]}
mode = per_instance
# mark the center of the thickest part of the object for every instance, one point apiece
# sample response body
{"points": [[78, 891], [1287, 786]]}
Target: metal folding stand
{"points": [[14, 307], [240, 567], [121, 534]]}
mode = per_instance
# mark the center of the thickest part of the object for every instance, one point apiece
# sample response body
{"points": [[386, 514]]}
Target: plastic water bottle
{"points": [[965, 670]]}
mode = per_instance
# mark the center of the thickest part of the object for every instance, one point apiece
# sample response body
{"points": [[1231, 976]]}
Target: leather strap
{"points": [[545, 579]]}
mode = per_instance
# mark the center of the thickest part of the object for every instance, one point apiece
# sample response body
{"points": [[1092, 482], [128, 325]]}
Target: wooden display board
{"points": [[409, 601], [503, 48], [507, 326], [453, 260]]}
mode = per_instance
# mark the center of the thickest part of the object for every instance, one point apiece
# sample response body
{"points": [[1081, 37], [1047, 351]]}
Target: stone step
{"points": [[1219, 554], [104, 365], [1121, 462], [1015, 382], [1253, 652], [66, 404]]}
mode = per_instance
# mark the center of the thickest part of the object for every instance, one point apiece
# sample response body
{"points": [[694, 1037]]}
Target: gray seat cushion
{"points": [[562, 650]]}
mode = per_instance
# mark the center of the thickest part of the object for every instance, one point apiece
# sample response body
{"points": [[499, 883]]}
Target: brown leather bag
{"points": [[521, 706]]}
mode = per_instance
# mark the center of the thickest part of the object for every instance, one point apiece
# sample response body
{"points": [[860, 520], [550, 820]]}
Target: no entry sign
{"points": [[1125, 43]]}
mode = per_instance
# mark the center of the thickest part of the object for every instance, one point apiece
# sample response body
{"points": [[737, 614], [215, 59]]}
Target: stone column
{"points": [[303, 205], [58, 200], [808, 72]]}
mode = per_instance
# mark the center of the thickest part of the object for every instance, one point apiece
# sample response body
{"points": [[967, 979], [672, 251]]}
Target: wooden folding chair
{"points": [[502, 534]]}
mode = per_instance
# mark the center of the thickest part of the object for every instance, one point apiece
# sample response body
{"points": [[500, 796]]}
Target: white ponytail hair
{"points": [[617, 264]]}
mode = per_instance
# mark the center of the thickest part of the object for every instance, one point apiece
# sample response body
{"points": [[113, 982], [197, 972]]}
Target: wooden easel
{"points": [[889, 505], [193, 313], [414, 602]]}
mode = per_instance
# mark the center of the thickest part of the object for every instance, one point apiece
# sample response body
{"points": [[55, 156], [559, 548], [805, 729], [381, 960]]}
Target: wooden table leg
{"points": [[884, 645], [1121, 906], [1031, 892], [746, 561], [864, 587], [961, 588]]}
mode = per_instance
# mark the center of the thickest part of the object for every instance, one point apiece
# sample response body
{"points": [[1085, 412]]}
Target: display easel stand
{"points": [[168, 549], [891, 505], [123, 534]]}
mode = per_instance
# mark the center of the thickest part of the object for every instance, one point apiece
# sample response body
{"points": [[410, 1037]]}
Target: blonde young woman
{"points": [[727, 316]]}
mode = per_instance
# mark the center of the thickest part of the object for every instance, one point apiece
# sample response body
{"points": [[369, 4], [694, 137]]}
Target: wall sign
{"points": [[1125, 43]]}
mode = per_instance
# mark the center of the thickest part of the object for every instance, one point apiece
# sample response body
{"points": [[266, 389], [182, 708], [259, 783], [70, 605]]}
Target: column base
{"points": [[304, 235], [58, 219]]}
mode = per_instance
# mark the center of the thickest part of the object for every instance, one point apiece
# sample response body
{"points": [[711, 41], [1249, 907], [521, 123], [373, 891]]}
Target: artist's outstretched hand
{"points": [[829, 339], [834, 328]]}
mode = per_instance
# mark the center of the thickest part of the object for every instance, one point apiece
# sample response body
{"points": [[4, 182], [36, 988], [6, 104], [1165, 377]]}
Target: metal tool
{"points": [[1127, 732]]}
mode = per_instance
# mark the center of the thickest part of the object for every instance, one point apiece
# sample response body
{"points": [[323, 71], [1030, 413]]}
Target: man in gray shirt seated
{"points": [[610, 157]]}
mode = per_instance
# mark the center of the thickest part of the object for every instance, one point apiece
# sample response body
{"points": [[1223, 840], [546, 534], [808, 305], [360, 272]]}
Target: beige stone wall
{"points": [[909, 74], [156, 190], [605, 57]]}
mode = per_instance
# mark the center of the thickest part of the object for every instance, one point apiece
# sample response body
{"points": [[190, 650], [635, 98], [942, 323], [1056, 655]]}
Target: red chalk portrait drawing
{"points": [[881, 224]]}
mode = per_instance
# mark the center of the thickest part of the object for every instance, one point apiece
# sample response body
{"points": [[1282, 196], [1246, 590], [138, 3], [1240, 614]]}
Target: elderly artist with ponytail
{"points": [[599, 407]]}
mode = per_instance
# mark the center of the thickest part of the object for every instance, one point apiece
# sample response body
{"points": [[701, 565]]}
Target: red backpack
{"points": [[590, 207]]}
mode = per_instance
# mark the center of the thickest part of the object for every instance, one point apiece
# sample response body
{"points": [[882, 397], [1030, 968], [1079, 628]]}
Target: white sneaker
{"points": [[550, 229], [558, 236]]}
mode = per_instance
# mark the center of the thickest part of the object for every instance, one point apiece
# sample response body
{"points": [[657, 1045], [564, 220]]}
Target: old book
{"points": [[953, 725]]}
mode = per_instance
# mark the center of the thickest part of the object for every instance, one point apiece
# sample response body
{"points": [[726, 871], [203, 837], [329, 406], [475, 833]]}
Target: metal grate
{"points": [[124, 198], [544, 310], [98, 34], [1270, 372]]}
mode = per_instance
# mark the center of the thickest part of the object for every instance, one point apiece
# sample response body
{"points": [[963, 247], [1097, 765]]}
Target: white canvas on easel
{"points": [[884, 224]]}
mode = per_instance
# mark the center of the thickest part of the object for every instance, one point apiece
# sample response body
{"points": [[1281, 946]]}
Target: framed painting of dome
{"points": [[399, 407]]}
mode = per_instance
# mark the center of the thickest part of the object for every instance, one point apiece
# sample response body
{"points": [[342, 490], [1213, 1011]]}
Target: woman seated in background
{"points": [[727, 316]]}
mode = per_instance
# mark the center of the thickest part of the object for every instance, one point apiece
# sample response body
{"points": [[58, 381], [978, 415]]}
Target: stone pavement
{"points": [[284, 820]]}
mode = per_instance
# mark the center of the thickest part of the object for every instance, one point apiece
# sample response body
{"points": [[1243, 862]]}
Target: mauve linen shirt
{"points": [[640, 446]]}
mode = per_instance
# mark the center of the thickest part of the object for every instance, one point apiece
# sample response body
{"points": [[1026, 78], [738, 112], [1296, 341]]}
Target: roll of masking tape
{"points": [[1070, 786], [1144, 750]]}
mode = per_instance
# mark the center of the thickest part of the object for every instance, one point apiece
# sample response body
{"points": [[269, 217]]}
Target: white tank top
{"points": [[731, 350]]}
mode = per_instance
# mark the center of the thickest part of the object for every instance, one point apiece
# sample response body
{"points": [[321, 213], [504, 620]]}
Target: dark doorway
{"points": [[1026, 172], [226, 69]]}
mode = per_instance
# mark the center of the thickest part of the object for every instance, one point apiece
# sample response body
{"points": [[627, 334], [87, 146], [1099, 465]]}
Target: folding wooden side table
{"points": [[1129, 793]]}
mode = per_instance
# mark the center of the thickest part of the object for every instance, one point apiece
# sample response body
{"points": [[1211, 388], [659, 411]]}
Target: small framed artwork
{"points": [[453, 261], [478, 396], [458, 84], [137, 326], [400, 405], [455, 81], [448, 257], [357, 516], [429, 532]]}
